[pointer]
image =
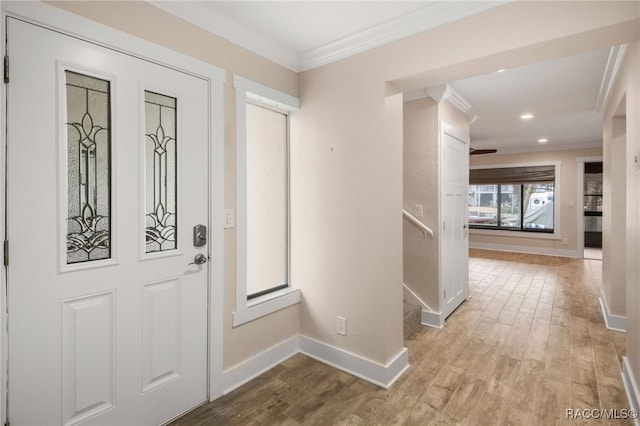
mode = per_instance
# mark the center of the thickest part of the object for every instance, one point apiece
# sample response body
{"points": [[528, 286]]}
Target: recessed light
{"points": [[543, 140], [526, 116], [502, 70]]}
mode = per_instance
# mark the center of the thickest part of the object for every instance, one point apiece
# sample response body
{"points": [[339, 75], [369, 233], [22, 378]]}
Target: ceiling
{"points": [[564, 95]]}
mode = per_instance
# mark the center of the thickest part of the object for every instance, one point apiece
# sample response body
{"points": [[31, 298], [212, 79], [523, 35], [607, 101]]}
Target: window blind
{"points": [[512, 175]]}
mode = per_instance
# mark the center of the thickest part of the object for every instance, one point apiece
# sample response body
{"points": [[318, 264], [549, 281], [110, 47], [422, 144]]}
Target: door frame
{"points": [[580, 162], [56, 19]]}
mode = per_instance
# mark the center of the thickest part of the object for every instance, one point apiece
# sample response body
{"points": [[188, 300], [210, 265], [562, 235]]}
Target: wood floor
{"points": [[529, 344]]}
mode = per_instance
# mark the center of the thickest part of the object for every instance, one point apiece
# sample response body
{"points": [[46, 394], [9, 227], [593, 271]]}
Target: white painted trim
{"points": [[248, 370], [611, 71], [207, 18], [445, 310], [371, 371], [216, 241], [515, 234], [245, 310], [52, 17], [579, 203], [407, 293], [266, 305], [631, 388], [264, 95], [432, 319], [4, 338], [444, 92], [523, 249], [429, 17], [613, 322], [427, 316]]}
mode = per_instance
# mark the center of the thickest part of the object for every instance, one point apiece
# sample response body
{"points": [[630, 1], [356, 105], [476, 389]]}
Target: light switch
{"points": [[419, 210], [229, 219]]}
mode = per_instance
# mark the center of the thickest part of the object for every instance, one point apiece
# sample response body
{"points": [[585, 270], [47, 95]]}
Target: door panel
{"points": [[454, 241], [103, 330]]}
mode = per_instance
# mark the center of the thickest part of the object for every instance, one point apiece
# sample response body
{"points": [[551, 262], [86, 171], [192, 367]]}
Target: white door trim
{"points": [[59, 20], [580, 161], [446, 129]]}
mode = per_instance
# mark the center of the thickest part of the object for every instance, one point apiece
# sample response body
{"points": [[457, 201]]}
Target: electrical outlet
{"points": [[341, 326], [565, 241], [419, 210]]}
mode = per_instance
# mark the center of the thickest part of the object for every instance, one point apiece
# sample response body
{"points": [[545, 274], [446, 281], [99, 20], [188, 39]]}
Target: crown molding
{"points": [[435, 14], [431, 16], [444, 92], [611, 71], [199, 14]]}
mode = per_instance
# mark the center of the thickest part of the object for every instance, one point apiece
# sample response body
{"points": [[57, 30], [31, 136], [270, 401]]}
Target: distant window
{"points": [[512, 198]]}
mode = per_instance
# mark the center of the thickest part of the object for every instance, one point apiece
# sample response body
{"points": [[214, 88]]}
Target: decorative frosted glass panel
{"points": [[88, 168], [160, 172]]}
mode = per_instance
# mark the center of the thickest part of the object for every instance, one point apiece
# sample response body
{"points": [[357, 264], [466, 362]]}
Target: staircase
{"points": [[412, 318]]}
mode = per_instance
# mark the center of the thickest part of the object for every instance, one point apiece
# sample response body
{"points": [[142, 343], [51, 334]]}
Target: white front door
{"points": [[107, 174], [454, 238]]}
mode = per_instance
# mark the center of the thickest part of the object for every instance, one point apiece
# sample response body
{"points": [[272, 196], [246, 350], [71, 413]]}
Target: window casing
{"points": [[262, 195], [514, 198]]}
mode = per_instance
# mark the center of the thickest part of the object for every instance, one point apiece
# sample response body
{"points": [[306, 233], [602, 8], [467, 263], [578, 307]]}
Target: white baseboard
{"points": [[378, 374], [613, 322], [432, 319], [244, 372], [428, 317], [524, 249], [631, 387], [373, 372]]}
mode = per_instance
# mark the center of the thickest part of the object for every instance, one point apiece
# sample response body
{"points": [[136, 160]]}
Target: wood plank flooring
{"points": [[528, 344]]}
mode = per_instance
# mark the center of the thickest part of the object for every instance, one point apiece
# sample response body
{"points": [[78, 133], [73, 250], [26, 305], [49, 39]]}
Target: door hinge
{"points": [[6, 69], [6, 252], [444, 225], [445, 294]]}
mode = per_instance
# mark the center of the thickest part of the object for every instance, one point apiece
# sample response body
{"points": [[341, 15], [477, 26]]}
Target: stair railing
{"points": [[424, 228]]}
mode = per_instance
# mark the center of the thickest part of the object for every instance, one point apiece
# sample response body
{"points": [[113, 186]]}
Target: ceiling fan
{"points": [[473, 151]]}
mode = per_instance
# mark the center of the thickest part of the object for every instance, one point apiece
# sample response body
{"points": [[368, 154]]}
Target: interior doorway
{"points": [[592, 210]]}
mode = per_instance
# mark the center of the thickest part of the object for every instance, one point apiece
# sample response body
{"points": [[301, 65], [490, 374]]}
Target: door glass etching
{"points": [[160, 172], [88, 168]]}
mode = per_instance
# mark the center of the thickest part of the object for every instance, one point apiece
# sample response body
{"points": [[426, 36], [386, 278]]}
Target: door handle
{"points": [[199, 259]]}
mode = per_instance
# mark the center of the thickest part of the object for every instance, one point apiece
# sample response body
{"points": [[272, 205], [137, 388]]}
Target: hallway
{"points": [[527, 345]]}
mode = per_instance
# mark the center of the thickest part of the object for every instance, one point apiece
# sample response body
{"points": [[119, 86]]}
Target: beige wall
{"points": [[627, 94], [614, 226], [568, 203], [420, 186], [343, 154], [152, 24]]}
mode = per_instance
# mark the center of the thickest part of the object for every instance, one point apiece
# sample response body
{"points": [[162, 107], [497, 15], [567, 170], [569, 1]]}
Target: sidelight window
{"points": [[262, 175]]}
